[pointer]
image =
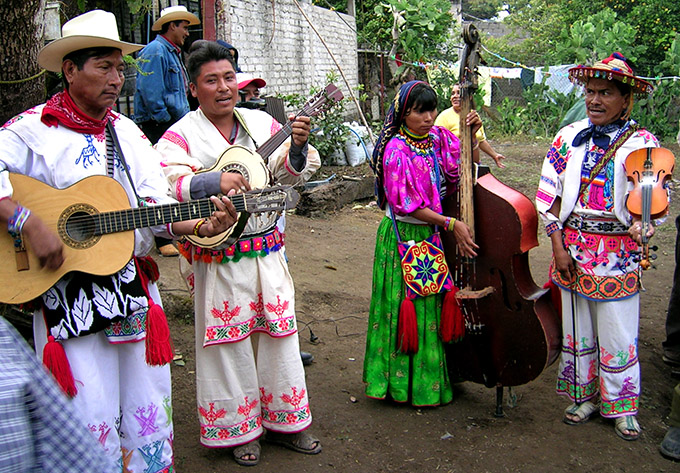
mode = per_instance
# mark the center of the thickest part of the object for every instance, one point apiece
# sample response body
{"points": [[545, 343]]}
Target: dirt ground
{"points": [[331, 262]]}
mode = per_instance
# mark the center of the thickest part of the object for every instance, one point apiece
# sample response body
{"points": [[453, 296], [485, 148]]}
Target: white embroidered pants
{"points": [[125, 403], [600, 353]]}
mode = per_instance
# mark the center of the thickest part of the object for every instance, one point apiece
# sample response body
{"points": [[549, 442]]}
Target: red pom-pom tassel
{"points": [[407, 330], [158, 344], [56, 361], [452, 323]]}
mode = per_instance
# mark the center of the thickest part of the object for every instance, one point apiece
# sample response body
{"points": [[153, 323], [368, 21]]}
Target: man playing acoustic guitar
{"points": [[120, 387], [248, 370]]}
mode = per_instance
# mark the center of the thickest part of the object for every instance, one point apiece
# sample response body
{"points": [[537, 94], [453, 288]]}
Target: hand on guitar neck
{"points": [[49, 248], [300, 129]]}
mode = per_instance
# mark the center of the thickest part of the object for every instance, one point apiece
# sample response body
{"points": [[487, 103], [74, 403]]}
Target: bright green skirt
{"points": [[422, 378]]}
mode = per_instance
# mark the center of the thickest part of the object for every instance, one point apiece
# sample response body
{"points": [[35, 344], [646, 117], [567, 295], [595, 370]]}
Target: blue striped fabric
{"points": [[39, 428]]}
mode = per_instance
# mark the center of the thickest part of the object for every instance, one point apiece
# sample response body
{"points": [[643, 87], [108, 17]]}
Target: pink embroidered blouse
{"points": [[410, 180]]}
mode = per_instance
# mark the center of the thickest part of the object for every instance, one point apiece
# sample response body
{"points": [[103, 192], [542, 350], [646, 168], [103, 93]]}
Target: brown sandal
{"points": [[302, 442], [246, 450]]}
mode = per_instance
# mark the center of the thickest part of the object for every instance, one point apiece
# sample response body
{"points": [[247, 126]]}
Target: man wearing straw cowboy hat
{"points": [[88, 328], [162, 83], [581, 199]]}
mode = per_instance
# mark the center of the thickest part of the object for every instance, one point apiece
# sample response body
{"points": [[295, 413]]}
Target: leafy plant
{"points": [[329, 133], [587, 41]]}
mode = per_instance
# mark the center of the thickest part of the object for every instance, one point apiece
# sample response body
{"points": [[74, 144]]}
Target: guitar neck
{"points": [[151, 216], [269, 146]]}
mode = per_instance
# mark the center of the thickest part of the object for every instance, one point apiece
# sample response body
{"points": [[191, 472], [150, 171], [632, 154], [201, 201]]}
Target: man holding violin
{"points": [[582, 201]]}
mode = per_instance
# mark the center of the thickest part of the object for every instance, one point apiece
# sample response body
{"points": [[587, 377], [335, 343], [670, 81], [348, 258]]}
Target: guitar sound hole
{"points": [[80, 226]]}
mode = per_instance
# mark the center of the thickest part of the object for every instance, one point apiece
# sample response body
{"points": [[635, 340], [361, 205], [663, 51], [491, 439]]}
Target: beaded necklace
{"points": [[422, 142]]}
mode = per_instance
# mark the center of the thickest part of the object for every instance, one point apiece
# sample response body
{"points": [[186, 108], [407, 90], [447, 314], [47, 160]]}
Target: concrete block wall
{"points": [[275, 42]]}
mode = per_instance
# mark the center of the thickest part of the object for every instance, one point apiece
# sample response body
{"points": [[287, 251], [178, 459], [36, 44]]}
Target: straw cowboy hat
{"points": [[179, 12], [244, 79], [614, 67], [94, 29]]}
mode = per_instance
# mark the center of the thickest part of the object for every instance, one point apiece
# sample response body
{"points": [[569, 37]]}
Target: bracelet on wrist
{"points": [[451, 224], [16, 222], [198, 226], [552, 227]]}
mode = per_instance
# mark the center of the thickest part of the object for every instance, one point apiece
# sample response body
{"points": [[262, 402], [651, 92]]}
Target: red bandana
{"points": [[61, 109]]}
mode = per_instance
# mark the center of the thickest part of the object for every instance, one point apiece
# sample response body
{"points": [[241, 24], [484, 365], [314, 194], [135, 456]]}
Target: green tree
{"points": [[484, 9], [415, 29], [587, 41]]}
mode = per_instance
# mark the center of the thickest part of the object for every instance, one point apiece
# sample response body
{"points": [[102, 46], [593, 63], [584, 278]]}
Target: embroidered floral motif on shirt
{"points": [[557, 155], [131, 328]]}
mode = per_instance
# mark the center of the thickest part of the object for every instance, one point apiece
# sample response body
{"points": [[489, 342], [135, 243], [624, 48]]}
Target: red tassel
{"points": [[452, 323], [446, 318], [159, 350], [555, 295], [407, 330], [56, 361], [458, 321]]}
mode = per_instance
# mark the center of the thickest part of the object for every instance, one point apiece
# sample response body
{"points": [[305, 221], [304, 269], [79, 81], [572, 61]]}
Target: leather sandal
{"points": [[250, 448], [627, 423], [583, 411], [302, 442]]}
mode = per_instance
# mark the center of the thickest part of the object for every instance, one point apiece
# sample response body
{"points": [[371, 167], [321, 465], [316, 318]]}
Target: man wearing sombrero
{"points": [[581, 199], [105, 338]]}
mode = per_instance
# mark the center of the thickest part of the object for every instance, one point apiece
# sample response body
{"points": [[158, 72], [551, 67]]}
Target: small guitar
{"points": [[253, 167], [94, 220]]}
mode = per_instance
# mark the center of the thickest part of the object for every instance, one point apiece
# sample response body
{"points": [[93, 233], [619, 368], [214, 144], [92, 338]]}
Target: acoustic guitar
{"points": [[252, 166], [94, 220]]}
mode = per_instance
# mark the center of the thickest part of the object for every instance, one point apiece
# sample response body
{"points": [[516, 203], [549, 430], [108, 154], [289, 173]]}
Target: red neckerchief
{"points": [[61, 110]]}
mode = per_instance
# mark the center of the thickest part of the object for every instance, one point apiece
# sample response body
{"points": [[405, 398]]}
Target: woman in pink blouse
{"points": [[415, 163]]}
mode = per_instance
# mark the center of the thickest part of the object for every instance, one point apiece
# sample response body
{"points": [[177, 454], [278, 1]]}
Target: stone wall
{"points": [[275, 42]]}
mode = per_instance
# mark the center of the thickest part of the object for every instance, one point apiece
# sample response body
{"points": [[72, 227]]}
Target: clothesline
{"points": [[537, 70]]}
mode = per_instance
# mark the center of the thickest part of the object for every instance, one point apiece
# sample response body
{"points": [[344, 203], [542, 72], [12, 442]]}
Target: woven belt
{"points": [[608, 226]]}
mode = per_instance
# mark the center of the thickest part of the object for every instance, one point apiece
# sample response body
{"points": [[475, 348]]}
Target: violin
{"points": [[650, 170]]}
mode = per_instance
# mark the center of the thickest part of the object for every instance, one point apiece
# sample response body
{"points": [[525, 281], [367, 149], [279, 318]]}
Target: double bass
{"points": [[512, 330]]}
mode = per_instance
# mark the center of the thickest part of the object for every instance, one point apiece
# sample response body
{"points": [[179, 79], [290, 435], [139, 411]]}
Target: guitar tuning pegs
{"points": [[654, 248]]}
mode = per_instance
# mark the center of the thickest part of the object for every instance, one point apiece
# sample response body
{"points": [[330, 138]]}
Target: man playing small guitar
{"points": [[120, 387], [248, 369]]}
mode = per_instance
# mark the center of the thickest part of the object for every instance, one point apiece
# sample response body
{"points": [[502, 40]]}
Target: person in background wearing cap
{"points": [[163, 84], [581, 199], [233, 51], [249, 86], [450, 119], [105, 337], [249, 376]]}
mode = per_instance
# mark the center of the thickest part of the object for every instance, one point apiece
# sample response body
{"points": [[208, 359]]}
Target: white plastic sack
{"points": [[355, 146]]}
